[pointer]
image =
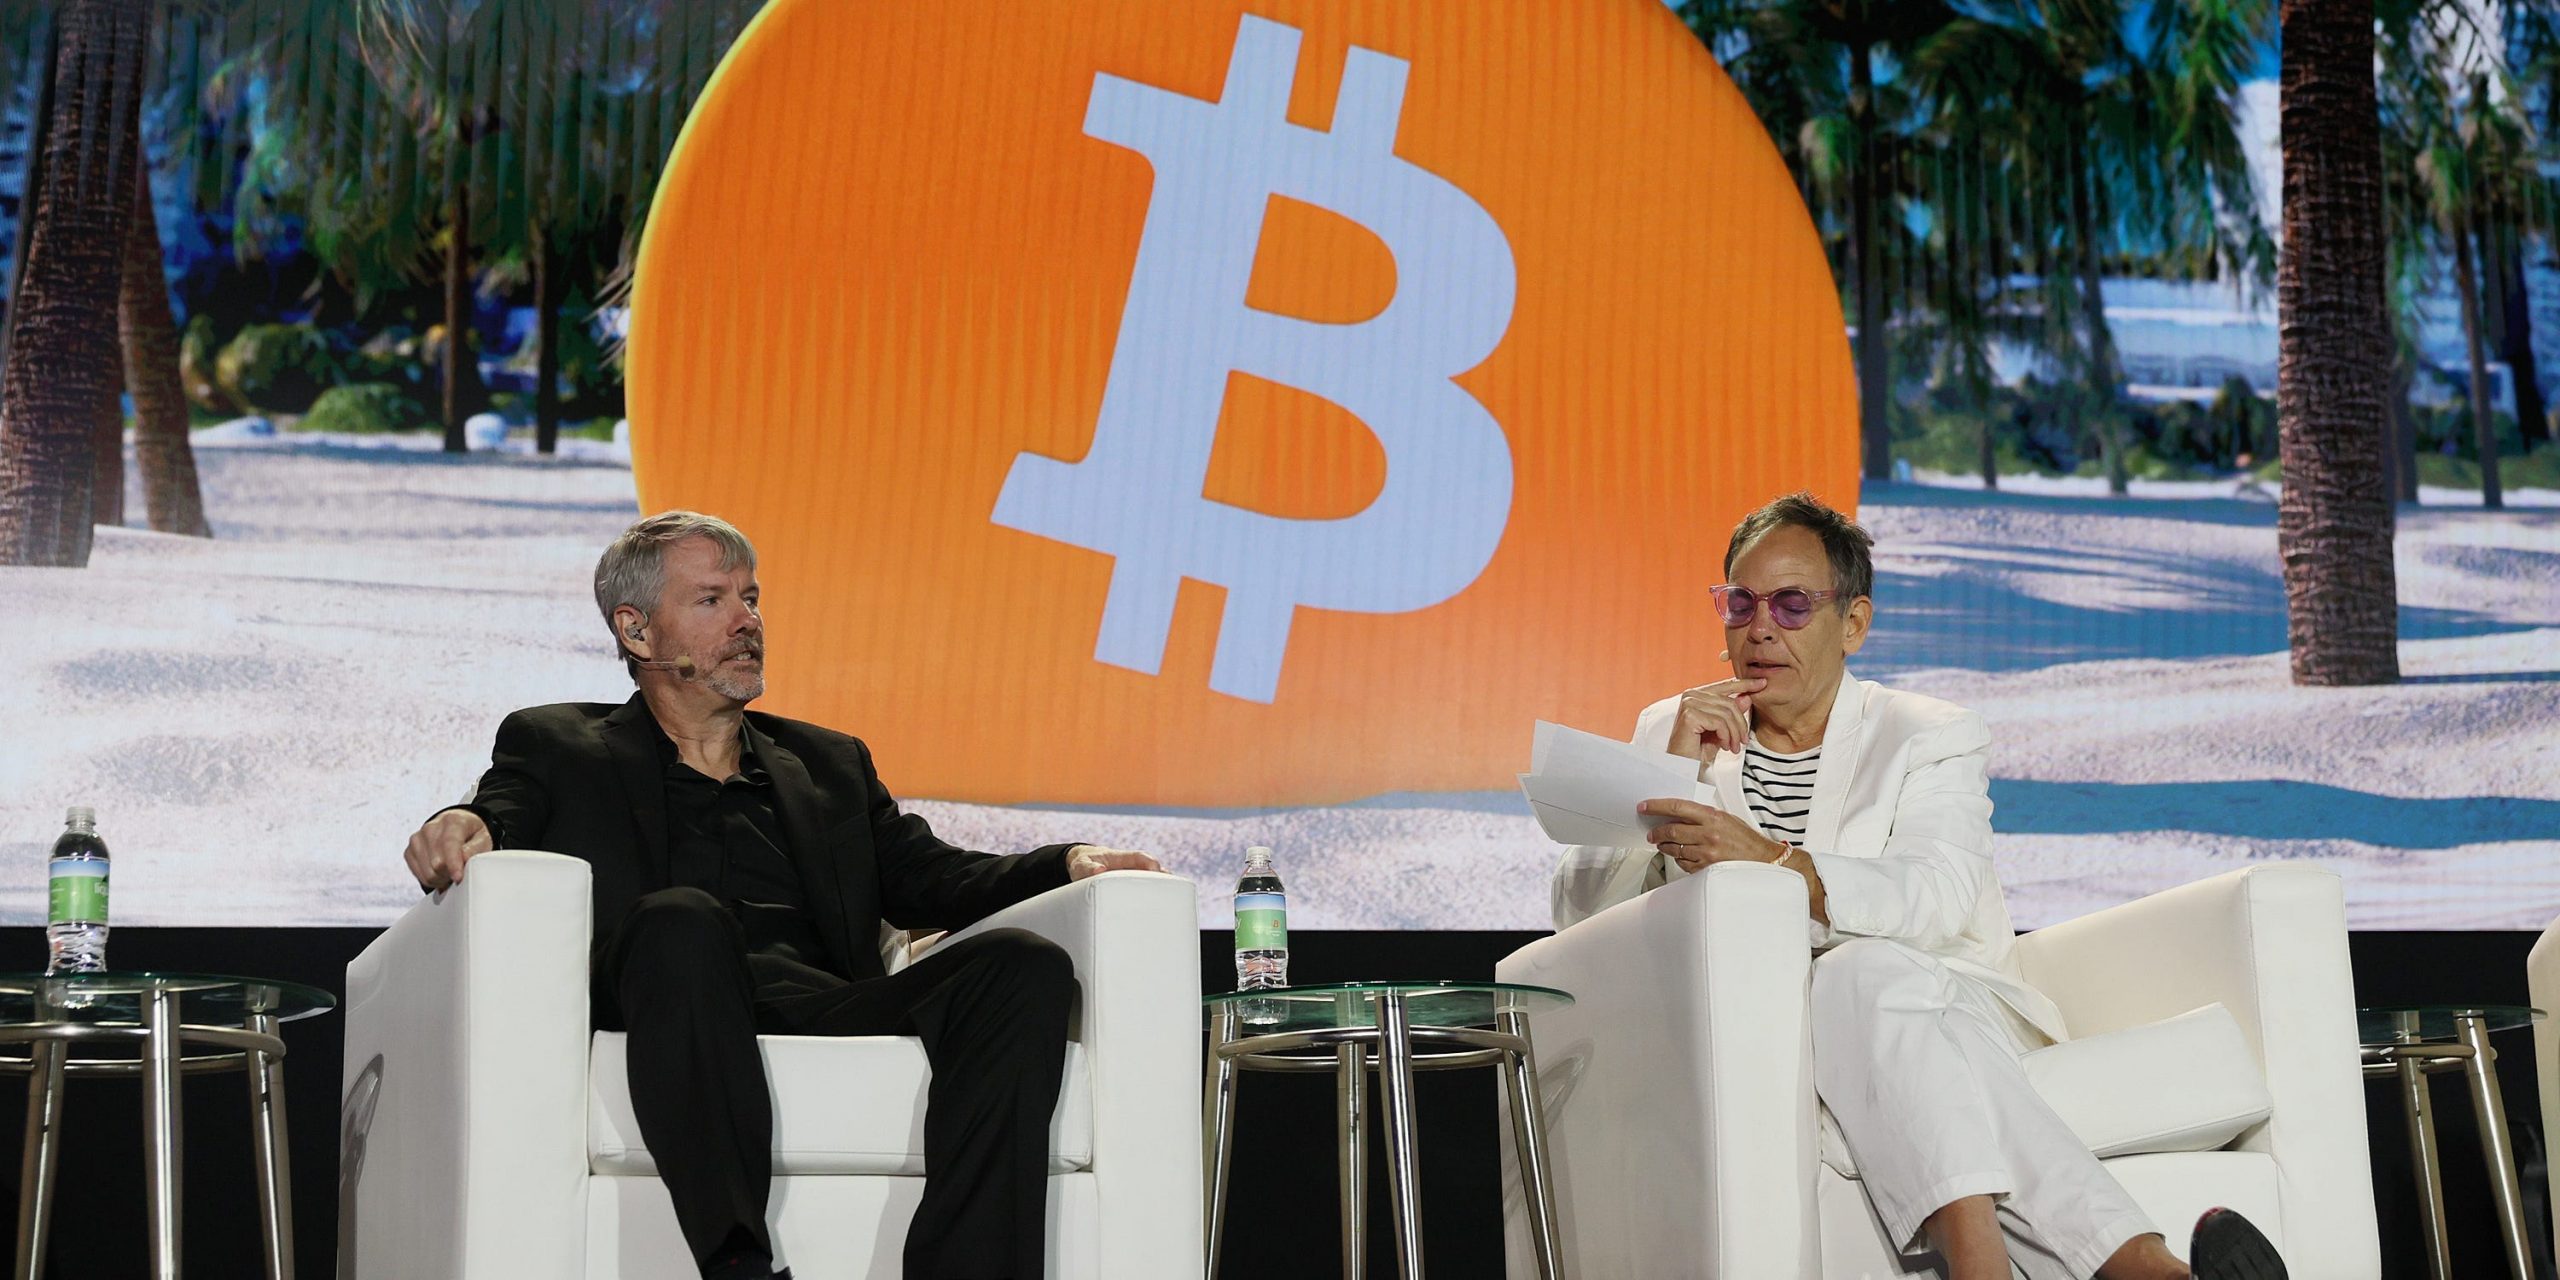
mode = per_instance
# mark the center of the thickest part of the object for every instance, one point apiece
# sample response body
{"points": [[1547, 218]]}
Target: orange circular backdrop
{"points": [[888, 261]]}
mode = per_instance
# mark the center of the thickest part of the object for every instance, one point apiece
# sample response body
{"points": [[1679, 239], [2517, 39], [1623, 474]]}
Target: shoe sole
{"points": [[2232, 1249]]}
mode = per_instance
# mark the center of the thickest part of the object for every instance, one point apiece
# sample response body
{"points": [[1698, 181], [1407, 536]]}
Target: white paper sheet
{"points": [[1584, 788]]}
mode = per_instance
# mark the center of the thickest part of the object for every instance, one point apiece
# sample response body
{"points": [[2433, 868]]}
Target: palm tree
{"points": [[2408, 89], [536, 129], [2400, 423], [106, 450], [2533, 59], [434, 61], [27, 37], [147, 328], [2504, 231], [63, 348], [2507, 190], [2455, 178], [2333, 528], [2464, 178], [2126, 137], [1808, 68], [149, 335], [2452, 175], [1952, 155], [2044, 82]]}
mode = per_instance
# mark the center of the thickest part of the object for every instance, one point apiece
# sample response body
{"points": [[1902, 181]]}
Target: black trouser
{"points": [[991, 1010]]}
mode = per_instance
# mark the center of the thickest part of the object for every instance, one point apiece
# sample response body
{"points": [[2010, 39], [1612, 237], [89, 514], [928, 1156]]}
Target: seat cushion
{"points": [[823, 1229], [841, 1105], [2185, 1084]]}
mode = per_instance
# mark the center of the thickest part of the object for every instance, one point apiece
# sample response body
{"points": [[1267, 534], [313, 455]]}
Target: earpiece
{"points": [[681, 666]]}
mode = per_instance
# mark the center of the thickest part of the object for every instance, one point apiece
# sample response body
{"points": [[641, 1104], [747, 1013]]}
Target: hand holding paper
{"points": [[1584, 788]]}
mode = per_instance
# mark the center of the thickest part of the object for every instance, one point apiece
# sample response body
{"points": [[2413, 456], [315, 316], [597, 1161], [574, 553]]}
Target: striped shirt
{"points": [[1779, 789]]}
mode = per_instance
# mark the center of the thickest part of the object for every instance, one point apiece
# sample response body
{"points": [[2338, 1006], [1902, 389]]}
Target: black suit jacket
{"points": [[586, 779]]}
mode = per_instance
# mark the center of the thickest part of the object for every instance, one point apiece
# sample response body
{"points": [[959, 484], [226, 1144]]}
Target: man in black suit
{"points": [[743, 865]]}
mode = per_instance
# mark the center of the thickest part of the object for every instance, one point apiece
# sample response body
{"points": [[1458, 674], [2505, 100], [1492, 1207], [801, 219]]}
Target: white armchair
{"points": [[1685, 1138], [489, 1133]]}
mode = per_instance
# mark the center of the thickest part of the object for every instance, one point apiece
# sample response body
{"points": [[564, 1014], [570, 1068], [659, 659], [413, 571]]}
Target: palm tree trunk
{"points": [[546, 336], [2484, 416], [2333, 524], [63, 348], [1990, 458], [161, 448], [457, 314], [39, 129], [2514, 323], [2400, 429], [2103, 374], [1866, 264], [106, 455]]}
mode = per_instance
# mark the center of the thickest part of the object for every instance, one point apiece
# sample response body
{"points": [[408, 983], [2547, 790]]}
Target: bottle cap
{"points": [[1258, 855], [82, 818]]}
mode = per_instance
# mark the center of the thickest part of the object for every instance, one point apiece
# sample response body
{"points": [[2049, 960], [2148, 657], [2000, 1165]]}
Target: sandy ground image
{"points": [[260, 720]]}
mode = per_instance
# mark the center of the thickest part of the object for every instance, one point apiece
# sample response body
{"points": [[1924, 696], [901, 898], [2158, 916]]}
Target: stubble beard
{"points": [[736, 684]]}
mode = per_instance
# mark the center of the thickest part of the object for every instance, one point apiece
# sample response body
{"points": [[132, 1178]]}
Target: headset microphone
{"points": [[681, 666]]}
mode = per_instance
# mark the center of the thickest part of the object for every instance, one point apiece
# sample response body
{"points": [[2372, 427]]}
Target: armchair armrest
{"points": [[1679, 1084], [465, 1080], [1135, 939], [2270, 944]]}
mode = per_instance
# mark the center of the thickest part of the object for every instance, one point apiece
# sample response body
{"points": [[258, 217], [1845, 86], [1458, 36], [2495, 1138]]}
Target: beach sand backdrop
{"points": [[262, 719]]}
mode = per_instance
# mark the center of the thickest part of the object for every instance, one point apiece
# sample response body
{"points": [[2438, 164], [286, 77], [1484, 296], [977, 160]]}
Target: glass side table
{"points": [[182, 1024], [2411, 1042], [1395, 1028]]}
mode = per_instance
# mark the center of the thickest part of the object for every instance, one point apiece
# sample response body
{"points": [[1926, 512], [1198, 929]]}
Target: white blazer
{"points": [[1899, 830]]}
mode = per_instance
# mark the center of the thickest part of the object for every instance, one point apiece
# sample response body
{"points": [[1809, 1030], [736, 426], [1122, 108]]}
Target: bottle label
{"points": [[1262, 921], [79, 891]]}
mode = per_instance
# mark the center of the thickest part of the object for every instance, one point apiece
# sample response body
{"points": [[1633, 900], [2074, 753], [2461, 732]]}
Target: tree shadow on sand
{"points": [[2268, 809], [1988, 599]]}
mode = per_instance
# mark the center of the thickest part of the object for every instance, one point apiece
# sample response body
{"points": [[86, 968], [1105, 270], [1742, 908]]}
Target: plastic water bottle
{"points": [[77, 925], [1262, 925]]}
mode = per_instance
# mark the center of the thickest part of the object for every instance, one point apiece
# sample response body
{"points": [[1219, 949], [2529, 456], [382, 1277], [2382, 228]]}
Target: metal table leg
{"points": [[1404, 1161], [274, 1156], [1529, 1137], [1351, 1086], [1218, 1112], [43, 1155], [2422, 1154], [160, 1128], [2495, 1145]]}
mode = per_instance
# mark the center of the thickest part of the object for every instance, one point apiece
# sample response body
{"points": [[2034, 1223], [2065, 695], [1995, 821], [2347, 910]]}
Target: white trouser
{"points": [[1919, 1067]]}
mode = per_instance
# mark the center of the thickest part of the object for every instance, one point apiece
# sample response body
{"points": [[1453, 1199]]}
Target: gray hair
{"points": [[1844, 543], [633, 571]]}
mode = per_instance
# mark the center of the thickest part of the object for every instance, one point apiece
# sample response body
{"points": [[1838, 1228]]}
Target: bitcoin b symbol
{"points": [[1139, 493]]}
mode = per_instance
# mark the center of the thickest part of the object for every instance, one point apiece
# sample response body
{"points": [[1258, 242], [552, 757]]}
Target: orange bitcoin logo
{"points": [[1201, 404]]}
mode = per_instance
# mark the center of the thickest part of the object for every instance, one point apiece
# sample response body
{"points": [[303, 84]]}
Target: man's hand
{"points": [[438, 850], [1714, 717], [1699, 836], [1092, 860]]}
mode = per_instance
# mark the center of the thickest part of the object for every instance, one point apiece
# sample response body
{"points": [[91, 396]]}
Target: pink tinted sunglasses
{"points": [[1789, 607]]}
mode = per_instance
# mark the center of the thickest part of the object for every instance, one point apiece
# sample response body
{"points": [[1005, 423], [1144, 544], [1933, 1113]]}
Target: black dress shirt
{"points": [[724, 839]]}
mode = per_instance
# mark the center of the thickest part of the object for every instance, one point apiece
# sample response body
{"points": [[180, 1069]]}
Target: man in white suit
{"points": [[1881, 801]]}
